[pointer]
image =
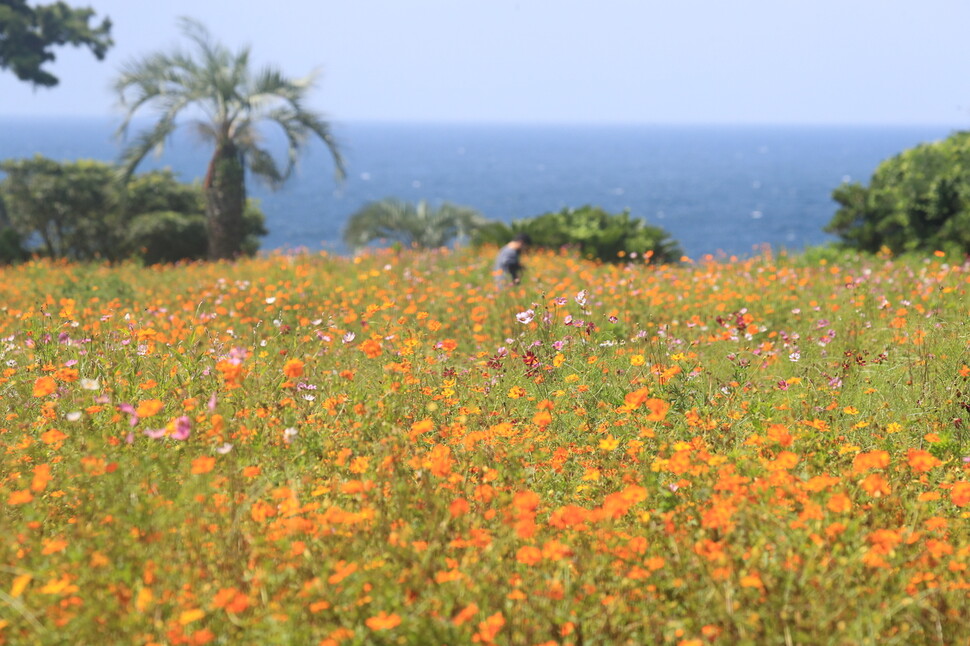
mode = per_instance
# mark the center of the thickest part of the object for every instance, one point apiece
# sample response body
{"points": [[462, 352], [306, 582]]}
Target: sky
{"points": [[876, 62]]}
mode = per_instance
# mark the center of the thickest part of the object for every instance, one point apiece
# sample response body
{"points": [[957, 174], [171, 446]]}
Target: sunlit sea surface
{"points": [[716, 189]]}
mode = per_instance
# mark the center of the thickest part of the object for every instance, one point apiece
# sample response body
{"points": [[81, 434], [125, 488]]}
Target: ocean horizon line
{"points": [[514, 123]]}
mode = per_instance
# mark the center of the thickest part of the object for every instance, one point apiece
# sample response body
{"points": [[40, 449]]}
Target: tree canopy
{"points": [[230, 105], [918, 201], [28, 34]]}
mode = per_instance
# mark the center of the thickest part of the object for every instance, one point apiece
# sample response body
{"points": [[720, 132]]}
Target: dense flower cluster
{"points": [[391, 449]]}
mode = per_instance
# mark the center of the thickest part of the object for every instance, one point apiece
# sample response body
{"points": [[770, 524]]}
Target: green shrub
{"points": [[80, 210], [592, 231], [11, 247], [917, 201], [167, 236]]}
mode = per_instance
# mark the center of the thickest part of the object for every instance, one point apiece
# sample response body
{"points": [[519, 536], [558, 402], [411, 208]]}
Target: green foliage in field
{"points": [[81, 210], [917, 201], [388, 449], [595, 233]]}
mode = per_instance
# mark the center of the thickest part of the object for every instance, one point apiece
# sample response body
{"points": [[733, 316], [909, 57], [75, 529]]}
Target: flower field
{"points": [[310, 449]]}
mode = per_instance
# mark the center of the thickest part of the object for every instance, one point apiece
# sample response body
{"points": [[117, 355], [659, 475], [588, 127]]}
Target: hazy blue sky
{"points": [[647, 61]]}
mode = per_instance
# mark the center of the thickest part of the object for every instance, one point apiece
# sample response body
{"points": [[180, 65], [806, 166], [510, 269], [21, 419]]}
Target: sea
{"points": [[719, 190]]}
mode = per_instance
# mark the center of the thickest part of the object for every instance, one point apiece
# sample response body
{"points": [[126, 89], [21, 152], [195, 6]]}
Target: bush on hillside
{"points": [[917, 201], [592, 231], [167, 236], [80, 210]]}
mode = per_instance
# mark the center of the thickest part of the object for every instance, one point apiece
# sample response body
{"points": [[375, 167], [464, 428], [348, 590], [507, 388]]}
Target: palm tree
{"points": [[228, 103], [417, 225]]}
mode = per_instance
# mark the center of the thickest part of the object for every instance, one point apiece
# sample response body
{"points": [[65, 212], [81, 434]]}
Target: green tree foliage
{"points": [[27, 35], [411, 225], [236, 102], [82, 210], [916, 201], [595, 233]]}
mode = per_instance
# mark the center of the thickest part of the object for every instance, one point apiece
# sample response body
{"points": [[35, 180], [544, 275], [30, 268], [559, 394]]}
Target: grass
{"points": [[388, 450]]}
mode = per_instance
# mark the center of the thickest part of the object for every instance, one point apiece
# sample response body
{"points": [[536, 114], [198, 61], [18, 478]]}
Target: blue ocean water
{"points": [[716, 189]]}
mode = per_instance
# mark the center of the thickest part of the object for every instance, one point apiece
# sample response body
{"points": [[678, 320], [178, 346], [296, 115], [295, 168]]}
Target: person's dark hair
{"points": [[524, 238]]}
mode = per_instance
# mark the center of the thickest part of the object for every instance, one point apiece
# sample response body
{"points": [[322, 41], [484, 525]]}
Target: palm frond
{"points": [[420, 224], [147, 141], [262, 164]]}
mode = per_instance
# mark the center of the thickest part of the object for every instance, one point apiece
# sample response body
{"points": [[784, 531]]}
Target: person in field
{"points": [[508, 262]]}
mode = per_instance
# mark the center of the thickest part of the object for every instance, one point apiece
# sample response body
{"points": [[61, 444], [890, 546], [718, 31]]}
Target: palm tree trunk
{"points": [[225, 199]]}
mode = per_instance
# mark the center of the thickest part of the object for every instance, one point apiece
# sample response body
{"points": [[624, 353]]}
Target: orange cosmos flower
{"points": [[634, 400], [67, 374], [203, 464], [960, 494], [42, 475], [188, 616], [658, 409], [21, 497], [293, 368], [779, 433], [528, 555], [420, 427], [44, 386], [784, 461], [555, 551], [54, 545], [383, 621], [232, 372], [884, 540], [839, 503], [819, 483], [459, 507], [488, 629], [469, 611], [875, 485], [231, 599], [148, 407], [871, 460], [371, 348], [922, 461], [440, 460], [52, 436], [20, 584], [526, 501]]}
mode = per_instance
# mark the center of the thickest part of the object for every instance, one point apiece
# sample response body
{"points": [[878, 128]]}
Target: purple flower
{"points": [[183, 428]]}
